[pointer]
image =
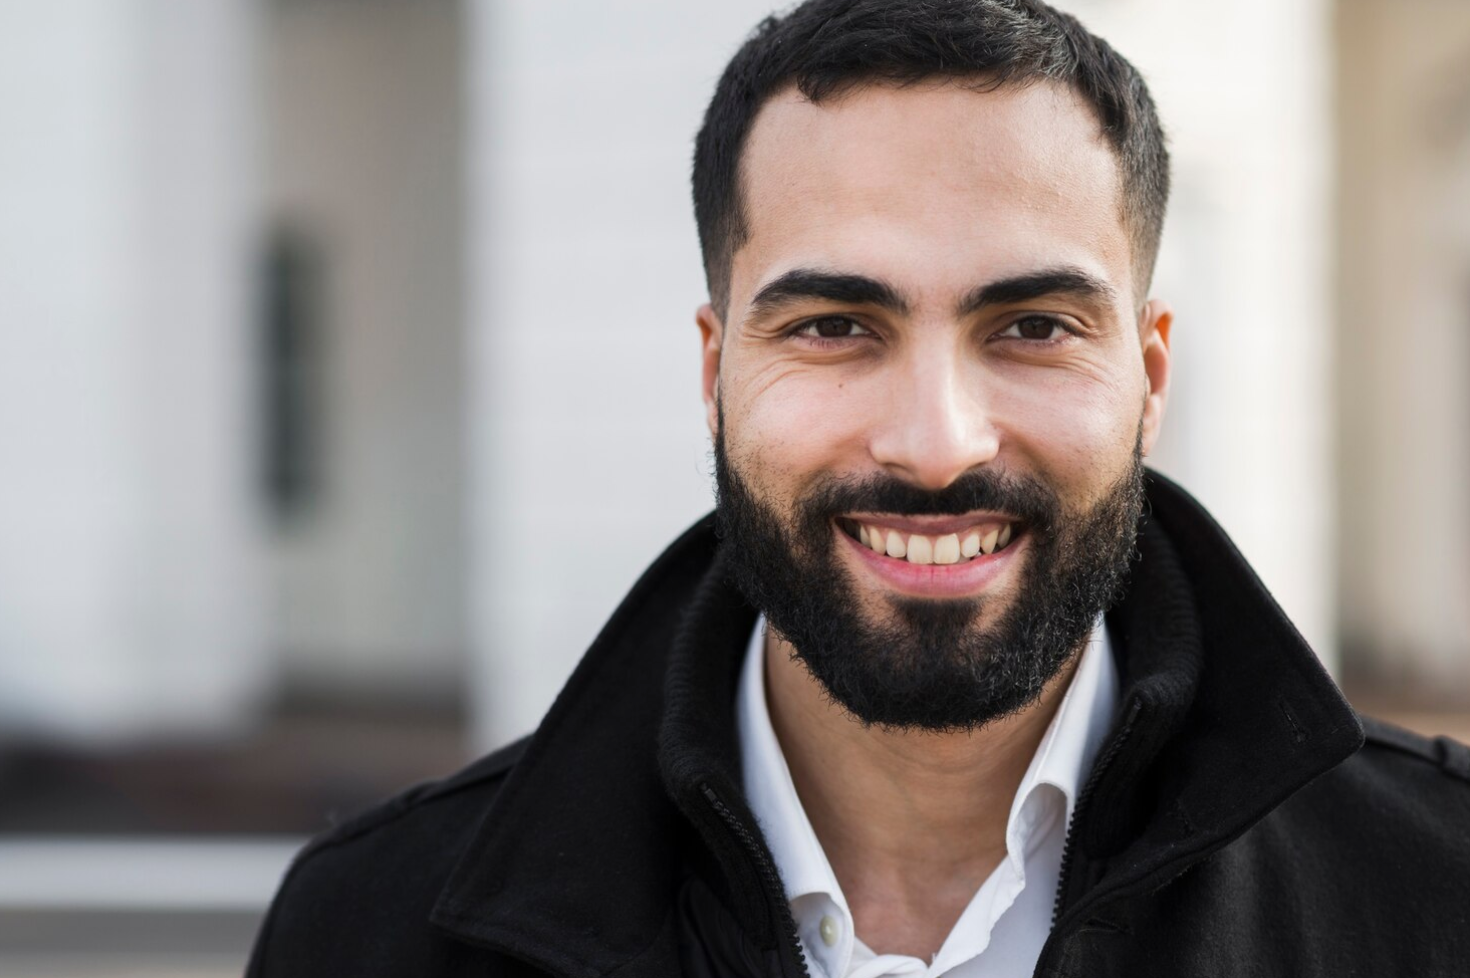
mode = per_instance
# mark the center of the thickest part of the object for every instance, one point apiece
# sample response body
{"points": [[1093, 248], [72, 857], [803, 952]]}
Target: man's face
{"points": [[931, 392]]}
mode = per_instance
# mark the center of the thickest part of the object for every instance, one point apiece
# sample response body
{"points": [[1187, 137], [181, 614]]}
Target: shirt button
{"points": [[828, 930]]}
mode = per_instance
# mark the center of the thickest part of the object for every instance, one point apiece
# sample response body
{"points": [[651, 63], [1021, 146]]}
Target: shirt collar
{"points": [[1067, 749], [770, 790]]}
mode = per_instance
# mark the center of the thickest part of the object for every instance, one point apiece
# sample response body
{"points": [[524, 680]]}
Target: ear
{"points": [[711, 335], [1153, 334]]}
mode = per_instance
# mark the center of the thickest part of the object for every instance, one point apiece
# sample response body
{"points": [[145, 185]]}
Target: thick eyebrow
{"points": [[808, 283], [1060, 281]]}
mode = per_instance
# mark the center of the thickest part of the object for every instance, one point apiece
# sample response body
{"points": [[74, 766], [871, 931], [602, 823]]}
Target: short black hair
{"points": [[827, 47]]}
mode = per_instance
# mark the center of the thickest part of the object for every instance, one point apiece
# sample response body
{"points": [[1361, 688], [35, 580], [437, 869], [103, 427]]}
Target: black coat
{"points": [[1236, 823]]}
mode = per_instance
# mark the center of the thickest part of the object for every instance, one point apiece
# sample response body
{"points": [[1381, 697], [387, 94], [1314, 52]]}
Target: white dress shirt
{"points": [[1003, 928]]}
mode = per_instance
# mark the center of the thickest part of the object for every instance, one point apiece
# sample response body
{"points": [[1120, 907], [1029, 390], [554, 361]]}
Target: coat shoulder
{"points": [[1393, 744], [1404, 783], [1366, 870], [357, 898], [477, 783], [1397, 812]]}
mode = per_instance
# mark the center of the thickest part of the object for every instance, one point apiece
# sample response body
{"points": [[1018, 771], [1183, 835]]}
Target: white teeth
{"points": [[948, 549]]}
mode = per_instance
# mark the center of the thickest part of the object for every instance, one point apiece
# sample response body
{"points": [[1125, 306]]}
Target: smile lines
{"points": [[919, 548]]}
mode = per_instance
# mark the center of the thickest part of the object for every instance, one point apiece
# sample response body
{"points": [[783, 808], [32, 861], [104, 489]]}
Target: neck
{"points": [[912, 822]]}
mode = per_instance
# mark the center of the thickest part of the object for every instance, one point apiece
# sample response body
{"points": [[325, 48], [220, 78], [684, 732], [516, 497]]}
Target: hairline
{"points": [[739, 226]]}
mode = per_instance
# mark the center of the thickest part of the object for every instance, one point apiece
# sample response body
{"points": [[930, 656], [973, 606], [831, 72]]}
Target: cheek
{"points": [[793, 425], [1080, 432]]}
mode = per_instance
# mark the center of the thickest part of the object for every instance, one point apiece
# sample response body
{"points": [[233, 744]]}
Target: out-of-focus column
{"points": [[1405, 367], [589, 447], [128, 593]]}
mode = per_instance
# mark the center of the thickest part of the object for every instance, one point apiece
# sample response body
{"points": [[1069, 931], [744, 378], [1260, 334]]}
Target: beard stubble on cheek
{"points": [[929, 664]]}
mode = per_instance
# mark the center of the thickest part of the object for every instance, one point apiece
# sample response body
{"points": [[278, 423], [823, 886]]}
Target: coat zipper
{"points": [[1098, 769], [775, 892]]}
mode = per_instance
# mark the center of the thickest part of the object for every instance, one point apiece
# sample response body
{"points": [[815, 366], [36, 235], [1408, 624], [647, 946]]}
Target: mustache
{"points": [[1029, 499]]}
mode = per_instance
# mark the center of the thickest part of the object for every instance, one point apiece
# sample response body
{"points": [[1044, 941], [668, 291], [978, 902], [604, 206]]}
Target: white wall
{"points": [[590, 447], [129, 594]]}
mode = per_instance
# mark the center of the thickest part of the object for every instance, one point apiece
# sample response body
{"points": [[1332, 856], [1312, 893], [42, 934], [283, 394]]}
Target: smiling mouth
{"points": [[970, 543]]}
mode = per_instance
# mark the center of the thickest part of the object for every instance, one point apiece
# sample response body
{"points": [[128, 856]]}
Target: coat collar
{"points": [[1225, 712]]}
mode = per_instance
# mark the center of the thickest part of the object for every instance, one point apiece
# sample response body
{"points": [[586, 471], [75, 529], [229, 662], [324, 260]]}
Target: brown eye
{"points": [[831, 328], [1038, 328]]}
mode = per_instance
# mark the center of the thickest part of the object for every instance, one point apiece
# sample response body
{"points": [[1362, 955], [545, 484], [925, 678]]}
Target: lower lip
{"points": [[965, 579]]}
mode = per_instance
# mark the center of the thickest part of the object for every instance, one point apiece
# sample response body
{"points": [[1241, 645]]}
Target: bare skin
{"points": [[936, 191]]}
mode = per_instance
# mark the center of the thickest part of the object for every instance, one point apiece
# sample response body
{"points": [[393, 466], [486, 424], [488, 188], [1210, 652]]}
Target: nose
{"points": [[937, 425]]}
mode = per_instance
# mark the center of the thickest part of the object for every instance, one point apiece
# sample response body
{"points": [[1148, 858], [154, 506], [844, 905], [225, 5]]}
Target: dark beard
{"points": [[931, 667]]}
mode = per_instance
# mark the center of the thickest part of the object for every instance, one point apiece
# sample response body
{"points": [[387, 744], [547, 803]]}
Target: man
{"points": [[950, 684]]}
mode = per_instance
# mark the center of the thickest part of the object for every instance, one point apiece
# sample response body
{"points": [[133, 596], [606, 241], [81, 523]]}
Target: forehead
{"points": [[935, 186]]}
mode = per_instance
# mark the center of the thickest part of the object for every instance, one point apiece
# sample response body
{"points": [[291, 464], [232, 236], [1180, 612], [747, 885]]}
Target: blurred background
{"points": [[349, 378]]}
